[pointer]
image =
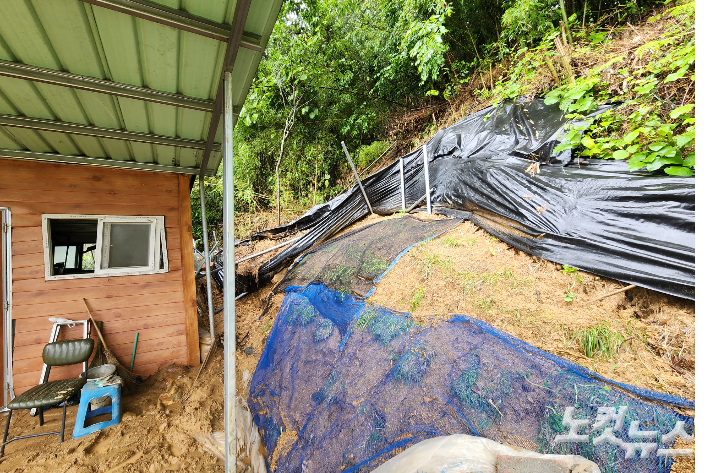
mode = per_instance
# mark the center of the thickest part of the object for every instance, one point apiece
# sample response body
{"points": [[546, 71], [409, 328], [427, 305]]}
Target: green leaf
{"points": [[668, 151], [621, 154], [588, 142], [631, 136], [690, 160], [682, 110], [638, 158], [679, 171], [676, 75], [655, 146], [646, 88], [656, 164], [636, 166], [685, 138]]}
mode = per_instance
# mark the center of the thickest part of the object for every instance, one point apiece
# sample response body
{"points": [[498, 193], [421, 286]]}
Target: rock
{"points": [[249, 351]]}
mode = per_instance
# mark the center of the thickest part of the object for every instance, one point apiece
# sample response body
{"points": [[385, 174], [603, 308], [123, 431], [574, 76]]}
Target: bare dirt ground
{"points": [[465, 271]]}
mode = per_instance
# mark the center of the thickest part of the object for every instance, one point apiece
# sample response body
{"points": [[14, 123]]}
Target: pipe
{"points": [[401, 182], [265, 251], [426, 181], [347, 155], [230, 322], [205, 238]]}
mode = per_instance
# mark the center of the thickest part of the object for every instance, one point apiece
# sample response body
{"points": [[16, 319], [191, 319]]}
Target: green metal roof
{"points": [[124, 83]]}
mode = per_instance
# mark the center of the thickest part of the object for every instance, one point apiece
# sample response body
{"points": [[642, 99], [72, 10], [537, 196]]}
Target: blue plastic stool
{"points": [[94, 390]]}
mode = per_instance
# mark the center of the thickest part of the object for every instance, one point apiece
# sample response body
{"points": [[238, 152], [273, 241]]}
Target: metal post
{"points": [[401, 183], [230, 327], [208, 269], [347, 155], [426, 180]]}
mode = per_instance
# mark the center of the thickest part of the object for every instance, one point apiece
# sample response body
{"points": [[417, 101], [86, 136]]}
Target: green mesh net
{"points": [[353, 262]]}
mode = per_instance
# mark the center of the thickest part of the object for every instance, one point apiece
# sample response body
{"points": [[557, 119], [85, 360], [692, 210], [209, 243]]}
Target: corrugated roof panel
{"points": [[89, 146], [159, 48], [80, 38], [117, 34], [117, 149], [200, 57], [63, 103], [24, 35], [25, 98], [101, 109], [67, 27], [5, 52], [219, 10], [8, 141], [60, 142]]}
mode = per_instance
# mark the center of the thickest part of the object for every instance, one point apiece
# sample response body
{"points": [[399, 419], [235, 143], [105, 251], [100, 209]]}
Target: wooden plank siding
{"points": [[161, 307]]}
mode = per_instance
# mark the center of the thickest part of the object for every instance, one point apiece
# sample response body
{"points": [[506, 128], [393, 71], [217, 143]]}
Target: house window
{"points": [[81, 246]]}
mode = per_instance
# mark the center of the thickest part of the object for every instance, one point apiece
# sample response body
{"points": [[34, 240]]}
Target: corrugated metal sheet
{"points": [[92, 41]]}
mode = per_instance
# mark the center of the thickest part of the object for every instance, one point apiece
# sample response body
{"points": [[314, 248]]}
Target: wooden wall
{"points": [[161, 307]]}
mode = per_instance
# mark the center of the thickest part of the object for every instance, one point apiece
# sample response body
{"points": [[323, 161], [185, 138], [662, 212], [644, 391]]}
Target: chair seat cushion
{"points": [[47, 394]]}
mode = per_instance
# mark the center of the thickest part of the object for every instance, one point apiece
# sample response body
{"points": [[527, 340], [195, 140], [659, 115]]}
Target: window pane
{"points": [[70, 262], [71, 238], [60, 254], [129, 245], [88, 257]]}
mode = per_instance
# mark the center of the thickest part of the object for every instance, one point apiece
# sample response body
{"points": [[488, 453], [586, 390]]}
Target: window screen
{"points": [[129, 245]]}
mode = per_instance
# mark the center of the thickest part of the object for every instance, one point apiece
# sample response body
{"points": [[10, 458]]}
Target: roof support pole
{"points": [[426, 180], [230, 319], [208, 270]]}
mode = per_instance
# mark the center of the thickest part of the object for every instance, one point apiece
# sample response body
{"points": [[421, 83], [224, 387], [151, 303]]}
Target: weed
{"points": [[341, 274], [324, 327], [417, 298], [301, 313], [412, 367], [374, 266], [368, 315], [353, 252], [568, 269], [491, 278], [569, 297], [470, 241], [330, 248], [385, 325], [520, 282], [599, 339], [267, 328], [430, 260], [451, 242], [485, 304]]}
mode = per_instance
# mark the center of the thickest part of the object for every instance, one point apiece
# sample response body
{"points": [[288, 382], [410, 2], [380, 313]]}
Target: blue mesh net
{"points": [[359, 383]]}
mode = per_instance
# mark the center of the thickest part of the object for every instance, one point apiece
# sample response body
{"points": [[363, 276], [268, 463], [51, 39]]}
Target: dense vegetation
{"points": [[345, 70]]}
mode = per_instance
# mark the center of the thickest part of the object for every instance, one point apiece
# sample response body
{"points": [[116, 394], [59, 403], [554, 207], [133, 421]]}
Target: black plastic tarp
{"points": [[596, 215]]}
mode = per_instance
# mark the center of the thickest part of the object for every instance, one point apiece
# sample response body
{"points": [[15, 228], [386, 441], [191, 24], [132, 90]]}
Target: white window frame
{"points": [[157, 237]]}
